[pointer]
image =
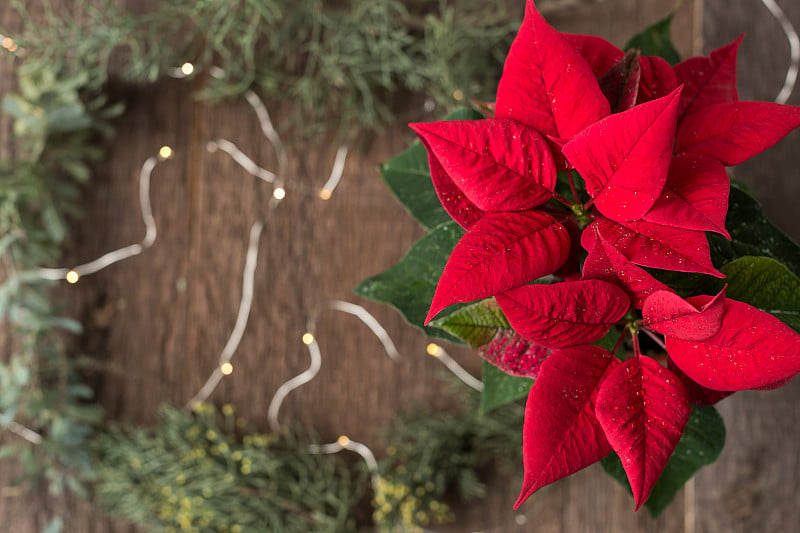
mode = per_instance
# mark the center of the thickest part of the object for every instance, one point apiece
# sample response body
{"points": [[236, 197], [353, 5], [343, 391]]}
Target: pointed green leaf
{"points": [[767, 284], [475, 324], [752, 234], [700, 445], [409, 285], [499, 388], [409, 178], [655, 41]]}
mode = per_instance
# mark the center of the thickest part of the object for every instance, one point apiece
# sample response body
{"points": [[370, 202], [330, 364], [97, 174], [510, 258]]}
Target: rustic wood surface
{"points": [[164, 316]]}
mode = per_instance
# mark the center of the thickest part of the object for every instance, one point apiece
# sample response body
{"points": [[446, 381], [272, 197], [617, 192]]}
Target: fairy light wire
{"points": [[345, 443], [245, 304], [151, 231], [366, 318], [298, 381], [794, 50], [439, 353]]}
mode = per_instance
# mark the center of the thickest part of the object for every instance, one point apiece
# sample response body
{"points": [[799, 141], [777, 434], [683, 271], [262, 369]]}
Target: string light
{"points": [[362, 314], [187, 69], [245, 304], [794, 50], [345, 443], [165, 153], [308, 338], [72, 275], [336, 173], [274, 138], [436, 351]]}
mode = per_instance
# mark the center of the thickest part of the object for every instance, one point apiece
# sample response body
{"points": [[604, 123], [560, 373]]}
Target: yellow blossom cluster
{"points": [[400, 507]]}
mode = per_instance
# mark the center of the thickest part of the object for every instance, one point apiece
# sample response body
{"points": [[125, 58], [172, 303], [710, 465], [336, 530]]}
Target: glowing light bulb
{"points": [[308, 338], [165, 152], [187, 69], [325, 194], [458, 95], [279, 193], [72, 277], [433, 350], [343, 441], [226, 369], [7, 43]]}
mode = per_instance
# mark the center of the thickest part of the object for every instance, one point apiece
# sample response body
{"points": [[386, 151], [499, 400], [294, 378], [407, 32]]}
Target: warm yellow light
{"points": [[458, 95], [226, 369], [433, 350], [72, 277], [187, 69], [343, 441], [325, 194], [12, 48], [165, 152], [308, 338], [279, 193], [7, 43]]}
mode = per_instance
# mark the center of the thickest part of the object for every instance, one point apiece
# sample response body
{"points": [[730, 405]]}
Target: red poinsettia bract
{"points": [[650, 142]]}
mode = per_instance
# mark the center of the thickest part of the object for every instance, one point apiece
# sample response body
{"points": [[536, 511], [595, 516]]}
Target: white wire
{"points": [[459, 371], [794, 50], [362, 314], [245, 304], [297, 381], [115, 256]]}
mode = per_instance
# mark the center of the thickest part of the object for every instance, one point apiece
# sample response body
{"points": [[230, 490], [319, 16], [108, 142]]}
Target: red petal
{"points": [[457, 205], [625, 157], [606, 263], [694, 319], [643, 409], [514, 355], [709, 80], [736, 131], [500, 165], [658, 79], [499, 252], [752, 349], [564, 314], [697, 394], [546, 83], [599, 53], [657, 246], [561, 434], [695, 195]]}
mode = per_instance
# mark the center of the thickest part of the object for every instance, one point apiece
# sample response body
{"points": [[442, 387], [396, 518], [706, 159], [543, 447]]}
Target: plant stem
{"points": [[574, 190], [620, 341], [655, 339], [562, 199]]}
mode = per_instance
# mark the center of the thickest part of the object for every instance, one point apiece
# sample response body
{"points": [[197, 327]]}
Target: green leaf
{"points": [[752, 234], [700, 445], [475, 324], [409, 285], [499, 388], [655, 41], [409, 178], [767, 284]]}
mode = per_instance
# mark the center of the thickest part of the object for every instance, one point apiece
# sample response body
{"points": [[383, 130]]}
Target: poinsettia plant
{"points": [[612, 262]]}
